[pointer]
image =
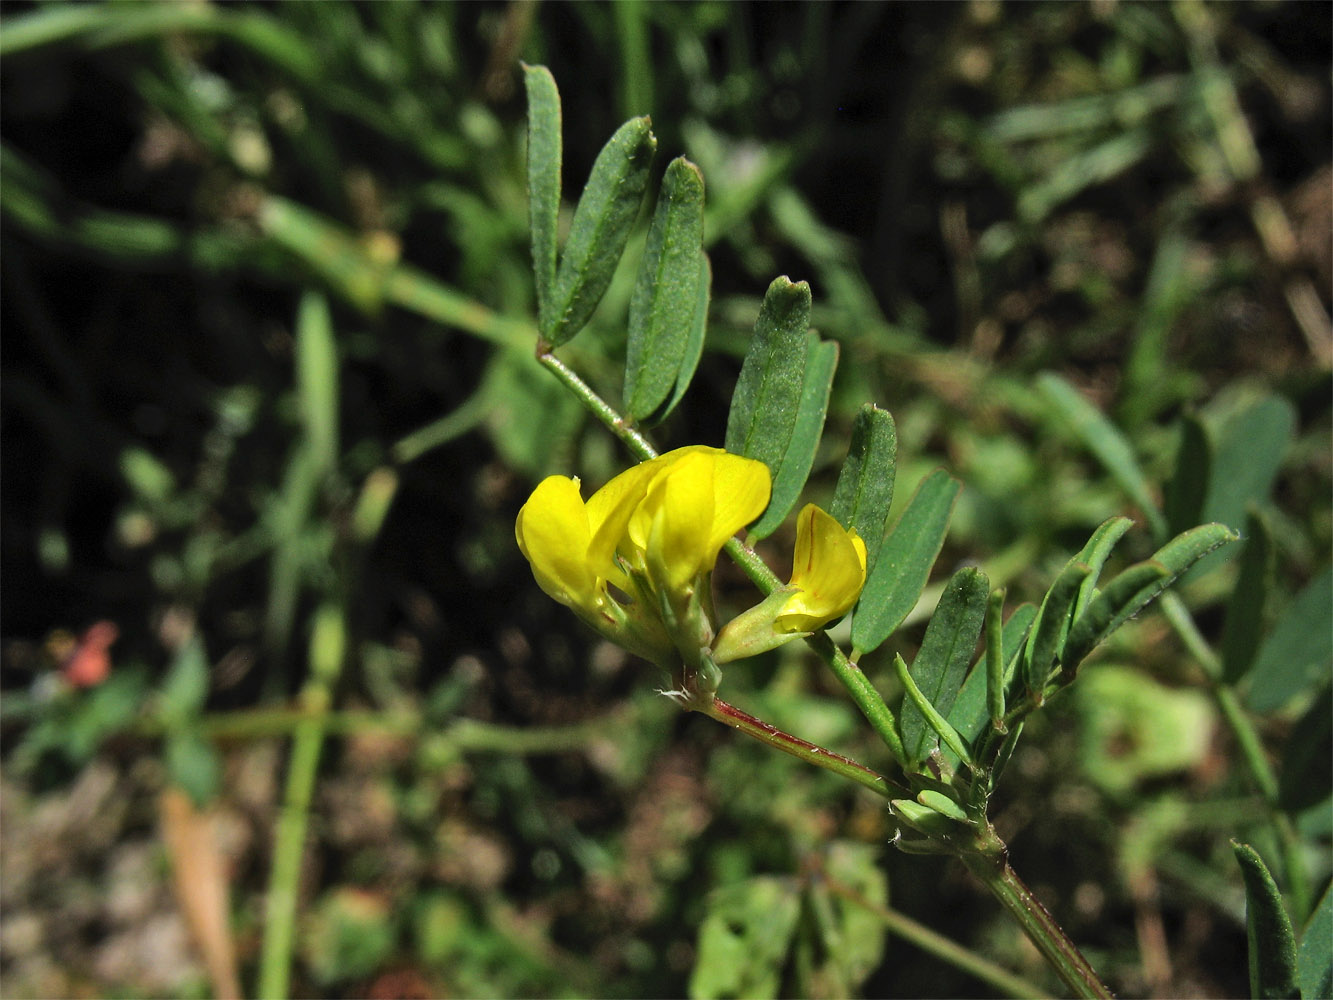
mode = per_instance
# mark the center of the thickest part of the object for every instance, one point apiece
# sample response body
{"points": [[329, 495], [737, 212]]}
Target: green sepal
{"points": [[768, 391], [904, 563], [601, 227], [864, 494], [666, 294], [544, 163], [1272, 944], [751, 632], [794, 467]]}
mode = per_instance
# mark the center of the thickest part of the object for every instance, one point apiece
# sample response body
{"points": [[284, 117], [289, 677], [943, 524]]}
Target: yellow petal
{"points": [[741, 488], [828, 568], [553, 533], [679, 512]]}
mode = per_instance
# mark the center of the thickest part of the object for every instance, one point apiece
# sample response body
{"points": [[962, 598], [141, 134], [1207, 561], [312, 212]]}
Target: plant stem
{"points": [[597, 406], [1251, 749], [809, 752], [993, 869], [934, 943]]}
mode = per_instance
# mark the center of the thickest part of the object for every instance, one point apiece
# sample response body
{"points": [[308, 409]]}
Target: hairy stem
{"points": [[809, 752], [993, 869]]}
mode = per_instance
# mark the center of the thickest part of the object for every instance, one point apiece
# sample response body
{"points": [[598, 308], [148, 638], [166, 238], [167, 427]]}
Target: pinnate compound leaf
{"points": [[1106, 442], [904, 562], [1052, 624], [820, 362], [1298, 652], [941, 665], [864, 493], [1272, 944], [744, 939], [1314, 962], [1245, 611], [666, 293], [544, 162], [768, 392], [601, 227], [1130, 592]]}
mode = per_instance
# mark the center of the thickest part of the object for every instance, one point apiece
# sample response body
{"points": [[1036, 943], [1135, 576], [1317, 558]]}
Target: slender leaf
{"points": [[864, 493], [820, 362], [904, 561], [1052, 624], [666, 294], [994, 661], [768, 392], [1245, 611], [601, 227], [970, 715], [1314, 963], [1268, 930], [544, 162], [1095, 553], [1104, 440], [1250, 447], [1298, 652], [1187, 489], [317, 379], [1131, 591], [694, 343], [1307, 758], [941, 665]]}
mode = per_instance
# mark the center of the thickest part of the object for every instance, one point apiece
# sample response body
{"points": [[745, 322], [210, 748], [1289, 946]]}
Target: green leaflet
{"points": [[768, 392], [1245, 611], [1298, 652], [1188, 486], [1104, 440], [820, 362], [1314, 964], [970, 715], [544, 162], [666, 294], [1127, 594], [941, 665], [601, 227], [1250, 447], [864, 493], [904, 562], [1268, 930], [1052, 622], [1095, 553], [694, 343]]}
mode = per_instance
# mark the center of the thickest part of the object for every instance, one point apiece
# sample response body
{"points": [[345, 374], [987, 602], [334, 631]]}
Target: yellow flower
{"points": [[828, 572], [663, 520]]}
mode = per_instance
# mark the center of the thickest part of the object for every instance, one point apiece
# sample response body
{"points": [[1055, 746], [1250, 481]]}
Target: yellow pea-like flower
{"points": [[828, 572], [658, 525]]}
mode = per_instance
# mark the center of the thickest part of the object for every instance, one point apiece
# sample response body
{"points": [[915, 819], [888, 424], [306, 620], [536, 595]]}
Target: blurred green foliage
{"points": [[268, 317]]}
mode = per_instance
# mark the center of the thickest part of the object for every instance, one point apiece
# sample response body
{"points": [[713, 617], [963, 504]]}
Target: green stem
{"points": [[597, 406], [1251, 748], [993, 869], [934, 943], [288, 849], [809, 752]]}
